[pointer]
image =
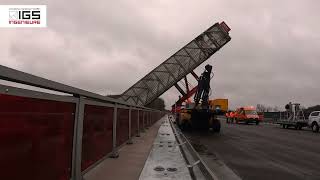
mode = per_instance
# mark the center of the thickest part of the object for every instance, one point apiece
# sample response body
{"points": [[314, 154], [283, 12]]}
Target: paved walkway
{"points": [[131, 160]]}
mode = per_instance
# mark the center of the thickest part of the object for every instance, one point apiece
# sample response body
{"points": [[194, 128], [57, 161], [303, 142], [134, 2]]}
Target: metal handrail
{"points": [[12, 75]]}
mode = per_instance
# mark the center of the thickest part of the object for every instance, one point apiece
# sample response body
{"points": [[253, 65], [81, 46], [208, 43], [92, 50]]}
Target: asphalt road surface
{"points": [[262, 152]]}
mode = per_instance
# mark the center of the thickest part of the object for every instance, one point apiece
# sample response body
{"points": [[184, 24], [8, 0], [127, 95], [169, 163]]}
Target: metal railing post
{"points": [[150, 113], [115, 153], [130, 126], [143, 124], [147, 120], [150, 121], [77, 141], [138, 135]]}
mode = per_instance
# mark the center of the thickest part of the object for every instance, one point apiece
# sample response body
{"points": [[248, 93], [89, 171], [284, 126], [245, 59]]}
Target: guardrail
{"points": [[61, 137], [191, 156]]}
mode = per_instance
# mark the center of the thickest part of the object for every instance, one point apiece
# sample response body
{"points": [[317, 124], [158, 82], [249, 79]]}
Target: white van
{"points": [[314, 121]]}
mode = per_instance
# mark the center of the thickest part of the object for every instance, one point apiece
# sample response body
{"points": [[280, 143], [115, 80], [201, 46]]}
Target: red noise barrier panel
{"points": [[97, 134], [122, 126], [36, 138], [134, 122]]}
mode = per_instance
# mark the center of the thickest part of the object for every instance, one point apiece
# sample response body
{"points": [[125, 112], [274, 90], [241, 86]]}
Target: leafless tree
{"points": [[261, 108]]}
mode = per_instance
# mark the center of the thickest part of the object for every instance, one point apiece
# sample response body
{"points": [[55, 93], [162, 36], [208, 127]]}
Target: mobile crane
{"points": [[170, 72], [200, 116]]}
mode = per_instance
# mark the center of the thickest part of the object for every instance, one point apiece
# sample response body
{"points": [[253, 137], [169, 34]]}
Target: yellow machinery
{"points": [[220, 105], [200, 115], [184, 121], [205, 120]]}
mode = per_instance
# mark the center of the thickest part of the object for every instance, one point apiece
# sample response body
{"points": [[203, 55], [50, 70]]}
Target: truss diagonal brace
{"points": [[180, 89]]}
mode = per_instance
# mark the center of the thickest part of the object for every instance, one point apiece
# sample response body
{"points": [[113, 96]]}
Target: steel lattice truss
{"points": [[177, 66]]}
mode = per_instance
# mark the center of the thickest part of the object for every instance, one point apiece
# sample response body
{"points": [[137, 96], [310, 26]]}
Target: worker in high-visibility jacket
{"points": [[231, 116], [228, 116]]}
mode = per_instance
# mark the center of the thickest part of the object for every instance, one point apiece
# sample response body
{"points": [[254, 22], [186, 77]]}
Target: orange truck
{"points": [[247, 114]]}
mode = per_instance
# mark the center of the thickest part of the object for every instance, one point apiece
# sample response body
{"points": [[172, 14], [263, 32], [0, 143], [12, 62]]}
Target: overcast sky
{"points": [[106, 46]]}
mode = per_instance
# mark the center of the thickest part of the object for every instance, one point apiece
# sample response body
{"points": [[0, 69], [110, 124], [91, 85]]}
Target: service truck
{"points": [[293, 117], [247, 114]]}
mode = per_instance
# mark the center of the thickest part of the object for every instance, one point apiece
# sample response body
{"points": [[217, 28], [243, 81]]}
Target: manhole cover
{"points": [[159, 168], [172, 169]]}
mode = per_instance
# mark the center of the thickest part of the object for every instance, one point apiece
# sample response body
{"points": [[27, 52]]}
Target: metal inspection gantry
{"points": [[177, 66]]}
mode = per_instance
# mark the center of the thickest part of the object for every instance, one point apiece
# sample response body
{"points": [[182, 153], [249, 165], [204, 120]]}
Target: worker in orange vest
{"points": [[231, 116], [227, 116]]}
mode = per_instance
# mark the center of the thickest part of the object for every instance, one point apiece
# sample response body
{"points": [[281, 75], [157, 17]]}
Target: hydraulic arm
{"points": [[203, 87]]}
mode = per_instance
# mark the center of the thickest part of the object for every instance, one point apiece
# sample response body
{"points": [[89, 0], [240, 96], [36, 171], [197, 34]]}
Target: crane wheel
{"points": [[216, 126], [315, 127]]}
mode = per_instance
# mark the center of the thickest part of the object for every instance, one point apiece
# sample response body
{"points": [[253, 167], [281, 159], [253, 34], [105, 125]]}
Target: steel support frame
{"points": [[180, 89], [143, 123], [115, 153], [150, 120], [195, 75], [130, 126], [147, 120], [77, 140], [138, 135]]}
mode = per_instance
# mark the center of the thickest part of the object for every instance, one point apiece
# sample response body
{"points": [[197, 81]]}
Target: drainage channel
{"points": [[173, 157]]}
